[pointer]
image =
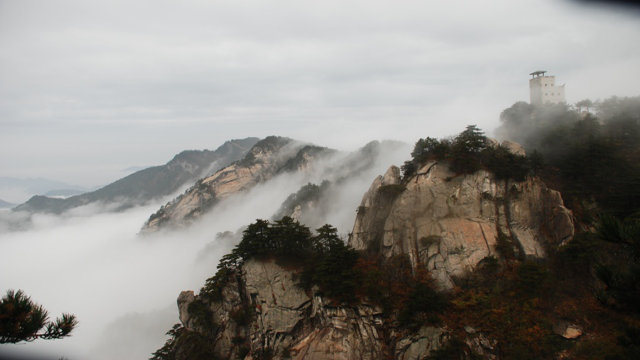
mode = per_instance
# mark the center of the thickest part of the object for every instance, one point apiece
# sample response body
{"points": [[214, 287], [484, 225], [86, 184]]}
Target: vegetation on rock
{"points": [[469, 152], [593, 159], [510, 306]]}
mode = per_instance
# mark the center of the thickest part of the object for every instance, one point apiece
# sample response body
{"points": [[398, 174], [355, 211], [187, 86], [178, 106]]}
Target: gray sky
{"points": [[90, 88]]}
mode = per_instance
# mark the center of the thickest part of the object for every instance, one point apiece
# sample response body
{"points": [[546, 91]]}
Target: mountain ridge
{"points": [[147, 184]]}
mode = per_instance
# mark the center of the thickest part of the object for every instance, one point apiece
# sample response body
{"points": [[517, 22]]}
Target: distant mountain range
{"points": [[147, 184]]}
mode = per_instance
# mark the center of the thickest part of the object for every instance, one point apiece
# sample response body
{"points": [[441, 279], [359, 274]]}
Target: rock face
{"points": [[270, 156], [449, 223], [419, 345], [445, 222], [284, 320]]}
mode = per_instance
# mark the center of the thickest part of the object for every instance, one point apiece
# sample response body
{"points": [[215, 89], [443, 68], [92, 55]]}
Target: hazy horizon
{"points": [[90, 89]]}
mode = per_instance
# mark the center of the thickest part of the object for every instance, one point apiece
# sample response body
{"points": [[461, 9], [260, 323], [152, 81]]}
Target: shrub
{"points": [[468, 152], [422, 306], [241, 316], [505, 246], [203, 316], [531, 277]]}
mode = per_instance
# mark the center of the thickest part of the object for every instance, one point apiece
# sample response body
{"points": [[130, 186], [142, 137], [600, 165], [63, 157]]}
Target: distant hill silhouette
{"points": [[150, 183]]}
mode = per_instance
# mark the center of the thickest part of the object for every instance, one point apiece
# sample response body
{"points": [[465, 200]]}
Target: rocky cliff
{"points": [[332, 200], [450, 223], [264, 314], [267, 158], [441, 222]]}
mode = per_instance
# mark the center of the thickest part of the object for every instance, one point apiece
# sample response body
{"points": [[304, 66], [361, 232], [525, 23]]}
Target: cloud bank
{"points": [[122, 287], [91, 88]]}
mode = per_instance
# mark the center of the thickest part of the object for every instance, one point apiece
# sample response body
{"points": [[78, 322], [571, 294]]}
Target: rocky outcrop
{"points": [[419, 345], [269, 157], [567, 330], [445, 222], [450, 222], [283, 320]]}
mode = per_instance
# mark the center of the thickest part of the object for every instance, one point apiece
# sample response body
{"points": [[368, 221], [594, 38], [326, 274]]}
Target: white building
{"points": [[543, 89]]}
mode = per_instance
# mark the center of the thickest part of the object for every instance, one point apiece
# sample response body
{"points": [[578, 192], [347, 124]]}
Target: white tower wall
{"points": [[543, 90]]}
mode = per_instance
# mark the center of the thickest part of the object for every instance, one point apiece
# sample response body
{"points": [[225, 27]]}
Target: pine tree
{"points": [[23, 320]]}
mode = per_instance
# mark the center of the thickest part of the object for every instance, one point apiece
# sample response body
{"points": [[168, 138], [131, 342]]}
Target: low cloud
{"points": [[95, 265]]}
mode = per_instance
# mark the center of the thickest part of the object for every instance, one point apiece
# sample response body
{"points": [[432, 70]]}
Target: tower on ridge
{"points": [[543, 89]]}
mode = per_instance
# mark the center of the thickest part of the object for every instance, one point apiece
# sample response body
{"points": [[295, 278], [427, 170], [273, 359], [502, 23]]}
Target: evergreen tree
{"points": [[23, 320]]}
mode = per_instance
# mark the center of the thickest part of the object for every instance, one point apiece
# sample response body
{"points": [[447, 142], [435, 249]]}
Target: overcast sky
{"points": [[90, 88]]}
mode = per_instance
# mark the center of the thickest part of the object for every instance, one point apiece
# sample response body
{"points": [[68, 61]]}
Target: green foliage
{"points": [[531, 277], [284, 238], [334, 273], [256, 240], [201, 312], [578, 256], [197, 345], [469, 152], [505, 246], [425, 149], [23, 320], [630, 343], [331, 266], [241, 316], [409, 168], [326, 240], [507, 165], [168, 350], [621, 275], [307, 194], [325, 260], [586, 157], [423, 306], [212, 289], [465, 152], [488, 267], [625, 233]]}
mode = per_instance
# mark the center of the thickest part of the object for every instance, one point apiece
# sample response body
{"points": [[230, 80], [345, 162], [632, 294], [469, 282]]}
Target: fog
{"points": [[122, 287], [91, 88]]}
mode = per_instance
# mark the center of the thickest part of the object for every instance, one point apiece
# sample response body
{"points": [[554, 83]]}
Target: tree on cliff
{"points": [[23, 320]]}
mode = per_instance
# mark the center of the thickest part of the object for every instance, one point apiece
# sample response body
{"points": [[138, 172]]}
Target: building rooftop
{"points": [[538, 73]]}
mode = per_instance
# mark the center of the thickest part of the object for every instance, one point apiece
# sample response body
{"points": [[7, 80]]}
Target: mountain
{"points": [[286, 293], [268, 157], [276, 157], [63, 193], [466, 251], [150, 183]]}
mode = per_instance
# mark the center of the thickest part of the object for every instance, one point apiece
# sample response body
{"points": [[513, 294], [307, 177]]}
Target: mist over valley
{"points": [[326, 180]]}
